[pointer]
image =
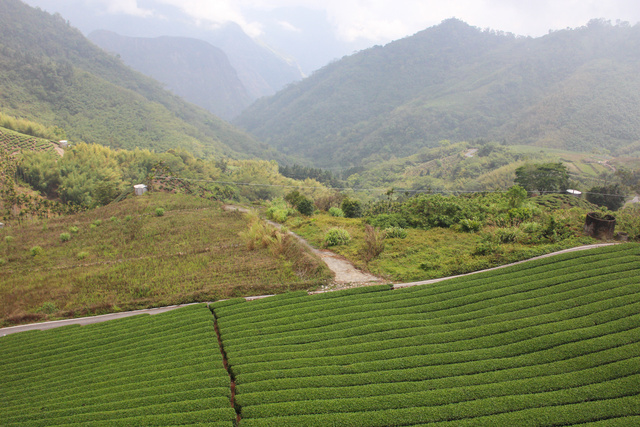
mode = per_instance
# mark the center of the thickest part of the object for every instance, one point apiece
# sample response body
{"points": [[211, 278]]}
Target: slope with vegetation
{"points": [[152, 250], [50, 73], [553, 341], [428, 236], [571, 89]]}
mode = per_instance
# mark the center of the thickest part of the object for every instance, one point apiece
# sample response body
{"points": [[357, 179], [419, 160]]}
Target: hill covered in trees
{"points": [[51, 74], [571, 89], [192, 69]]}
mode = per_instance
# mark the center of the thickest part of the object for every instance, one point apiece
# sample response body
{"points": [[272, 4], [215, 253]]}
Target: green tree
{"points": [[351, 208], [544, 177], [611, 196]]}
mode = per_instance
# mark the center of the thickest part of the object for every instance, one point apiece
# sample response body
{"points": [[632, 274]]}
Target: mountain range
{"points": [[575, 89], [51, 74]]}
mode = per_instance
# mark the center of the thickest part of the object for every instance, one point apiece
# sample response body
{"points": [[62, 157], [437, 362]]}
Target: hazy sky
{"points": [[380, 21]]}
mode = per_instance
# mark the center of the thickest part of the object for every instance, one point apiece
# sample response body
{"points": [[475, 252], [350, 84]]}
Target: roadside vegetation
{"points": [[432, 235]]}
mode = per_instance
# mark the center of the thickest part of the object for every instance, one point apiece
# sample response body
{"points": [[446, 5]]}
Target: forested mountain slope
{"points": [[573, 89], [193, 69], [50, 73]]}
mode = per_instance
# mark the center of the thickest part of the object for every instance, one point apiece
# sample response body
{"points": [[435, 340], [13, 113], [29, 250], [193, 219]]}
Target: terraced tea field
{"points": [[13, 141], [554, 341], [163, 369], [550, 342]]}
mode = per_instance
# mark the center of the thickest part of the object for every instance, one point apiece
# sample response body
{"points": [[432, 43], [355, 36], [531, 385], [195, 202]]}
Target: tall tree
{"points": [[543, 177]]}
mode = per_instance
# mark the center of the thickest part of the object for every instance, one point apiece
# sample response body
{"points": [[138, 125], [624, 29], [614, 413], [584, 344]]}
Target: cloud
{"points": [[127, 7], [289, 27]]}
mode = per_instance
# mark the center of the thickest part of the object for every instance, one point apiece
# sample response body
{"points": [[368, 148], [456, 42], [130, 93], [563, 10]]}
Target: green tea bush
{"points": [[82, 255], [507, 234], [8, 239], [531, 227], [395, 233], [36, 250], [337, 212], [73, 229], [128, 218], [469, 225], [97, 222], [159, 212], [65, 237], [388, 220], [336, 237]]}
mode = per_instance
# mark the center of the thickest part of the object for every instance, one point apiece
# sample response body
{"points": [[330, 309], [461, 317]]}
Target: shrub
{"points": [[97, 222], [373, 243], [48, 308], [395, 233], [73, 229], [351, 208], [159, 212], [336, 237], [337, 212], [36, 250], [305, 207], [65, 237], [469, 225], [127, 218], [113, 219], [8, 239], [531, 227], [507, 234], [82, 255], [388, 220], [3, 261]]}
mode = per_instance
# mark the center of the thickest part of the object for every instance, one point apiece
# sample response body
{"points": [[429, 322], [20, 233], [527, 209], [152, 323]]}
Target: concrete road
{"points": [[84, 320]]}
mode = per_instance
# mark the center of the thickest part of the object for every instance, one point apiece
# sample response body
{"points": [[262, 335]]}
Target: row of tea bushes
{"points": [[164, 369], [552, 339]]}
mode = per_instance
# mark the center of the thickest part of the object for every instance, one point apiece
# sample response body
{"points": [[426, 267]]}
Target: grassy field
{"points": [[144, 370], [550, 342], [154, 250]]}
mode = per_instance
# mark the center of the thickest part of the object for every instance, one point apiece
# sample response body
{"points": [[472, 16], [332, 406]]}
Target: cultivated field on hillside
{"points": [[13, 141], [154, 250], [144, 370], [549, 342]]}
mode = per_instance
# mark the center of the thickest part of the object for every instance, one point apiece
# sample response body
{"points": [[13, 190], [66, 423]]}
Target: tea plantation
{"points": [[164, 369], [549, 342], [554, 341]]}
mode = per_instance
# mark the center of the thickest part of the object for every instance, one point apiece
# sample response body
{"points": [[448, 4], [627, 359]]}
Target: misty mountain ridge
{"points": [[572, 89], [51, 74], [190, 68]]}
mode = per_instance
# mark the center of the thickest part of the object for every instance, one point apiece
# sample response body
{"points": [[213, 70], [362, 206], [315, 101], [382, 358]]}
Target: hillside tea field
{"points": [[554, 341], [164, 369]]}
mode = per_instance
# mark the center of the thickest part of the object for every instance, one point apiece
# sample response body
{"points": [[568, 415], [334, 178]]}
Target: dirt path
{"points": [[346, 274]]}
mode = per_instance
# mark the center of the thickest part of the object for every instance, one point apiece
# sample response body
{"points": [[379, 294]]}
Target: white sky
{"points": [[386, 20]]}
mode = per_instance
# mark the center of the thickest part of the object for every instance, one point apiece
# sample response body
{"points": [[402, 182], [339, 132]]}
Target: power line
{"points": [[395, 190]]}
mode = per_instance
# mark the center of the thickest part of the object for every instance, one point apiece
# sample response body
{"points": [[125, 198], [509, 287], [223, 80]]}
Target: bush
{"points": [[507, 235], [337, 212], [8, 239], [351, 208], [36, 250], [395, 233], [73, 229], [159, 212], [388, 221], [531, 227], [469, 225], [373, 243], [127, 218], [336, 237], [82, 255], [97, 222], [65, 237], [305, 207]]}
